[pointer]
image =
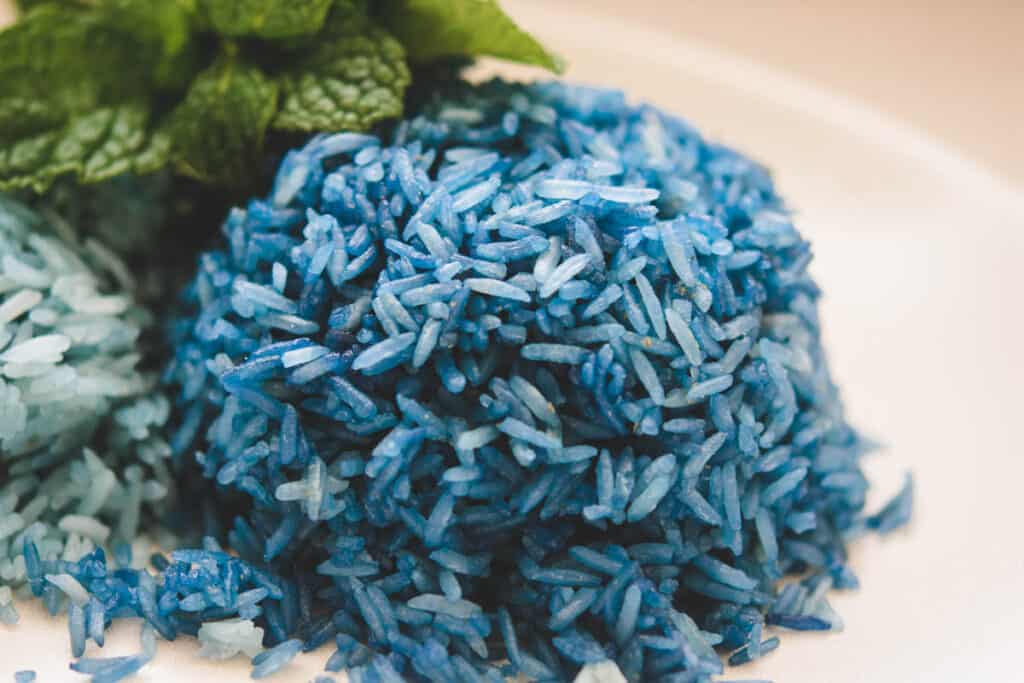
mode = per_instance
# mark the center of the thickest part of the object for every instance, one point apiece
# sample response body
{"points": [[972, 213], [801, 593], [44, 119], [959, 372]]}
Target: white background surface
{"points": [[920, 255]]}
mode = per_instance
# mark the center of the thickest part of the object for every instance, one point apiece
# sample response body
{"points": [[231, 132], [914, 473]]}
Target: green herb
{"points": [[350, 81], [265, 18], [218, 129], [449, 28], [98, 88]]}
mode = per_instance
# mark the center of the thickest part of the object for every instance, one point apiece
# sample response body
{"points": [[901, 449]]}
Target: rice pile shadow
{"points": [[531, 382]]}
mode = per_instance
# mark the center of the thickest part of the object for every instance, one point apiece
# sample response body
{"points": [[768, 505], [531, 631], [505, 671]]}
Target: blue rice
{"points": [[538, 391]]}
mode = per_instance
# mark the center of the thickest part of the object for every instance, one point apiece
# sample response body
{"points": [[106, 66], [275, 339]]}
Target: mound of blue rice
{"points": [[530, 385]]}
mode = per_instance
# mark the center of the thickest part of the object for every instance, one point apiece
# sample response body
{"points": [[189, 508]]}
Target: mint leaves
{"points": [[443, 28], [98, 88], [265, 18]]}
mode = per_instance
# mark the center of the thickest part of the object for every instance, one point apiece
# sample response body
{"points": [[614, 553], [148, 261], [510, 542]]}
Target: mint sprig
{"points": [[98, 88]]}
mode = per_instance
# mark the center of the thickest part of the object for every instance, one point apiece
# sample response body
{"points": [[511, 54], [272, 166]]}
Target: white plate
{"points": [[920, 254]]}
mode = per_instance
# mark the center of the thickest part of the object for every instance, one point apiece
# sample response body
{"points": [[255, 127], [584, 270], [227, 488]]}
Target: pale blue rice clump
{"points": [[532, 385], [81, 459]]}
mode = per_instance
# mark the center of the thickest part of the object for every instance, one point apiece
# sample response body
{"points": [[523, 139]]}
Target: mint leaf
{"points": [[218, 130], [26, 5], [443, 28], [43, 60], [23, 116], [166, 26], [74, 83], [95, 146], [76, 58], [265, 18], [350, 81]]}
